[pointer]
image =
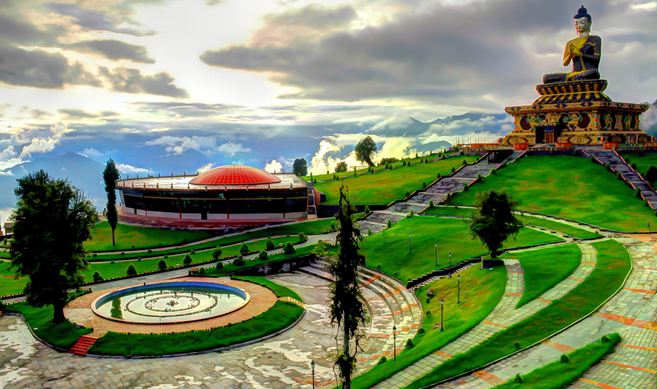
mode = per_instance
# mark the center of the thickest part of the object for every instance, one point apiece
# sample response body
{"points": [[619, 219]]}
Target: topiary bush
{"points": [[131, 272], [187, 260], [564, 358], [289, 249], [244, 249], [219, 265], [263, 256], [239, 261], [97, 277], [216, 253], [162, 265], [303, 238], [270, 244]]}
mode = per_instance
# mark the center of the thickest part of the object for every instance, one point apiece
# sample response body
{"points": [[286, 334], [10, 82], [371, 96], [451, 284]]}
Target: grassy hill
{"points": [[642, 160], [385, 186], [570, 187]]}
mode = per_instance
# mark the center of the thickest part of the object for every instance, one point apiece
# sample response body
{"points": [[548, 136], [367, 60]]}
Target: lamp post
{"points": [[458, 288], [312, 366], [442, 309], [394, 342], [435, 253]]}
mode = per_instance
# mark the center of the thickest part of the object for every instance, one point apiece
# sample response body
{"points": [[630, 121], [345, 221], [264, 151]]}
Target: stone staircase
{"points": [[82, 345], [389, 304], [617, 164]]}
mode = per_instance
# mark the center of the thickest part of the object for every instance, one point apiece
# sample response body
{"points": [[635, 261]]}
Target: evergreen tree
{"points": [[300, 167], [52, 220], [347, 307], [494, 221], [110, 175]]}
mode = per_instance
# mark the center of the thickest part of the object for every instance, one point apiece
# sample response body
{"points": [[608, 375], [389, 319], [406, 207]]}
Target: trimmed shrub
{"points": [[201, 272], [244, 250], [263, 256], [409, 343], [239, 261], [289, 249], [303, 238], [216, 253], [162, 265], [564, 358], [219, 265], [97, 277], [270, 245], [382, 360], [131, 272], [187, 260]]}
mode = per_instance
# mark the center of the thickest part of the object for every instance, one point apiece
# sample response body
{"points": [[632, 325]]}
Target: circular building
{"points": [[227, 196]]}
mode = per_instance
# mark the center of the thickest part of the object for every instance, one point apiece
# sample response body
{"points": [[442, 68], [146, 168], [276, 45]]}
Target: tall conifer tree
{"points": [[110, 175]]}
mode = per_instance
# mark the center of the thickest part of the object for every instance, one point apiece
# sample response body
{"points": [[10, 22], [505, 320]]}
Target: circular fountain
{"points": [[170, 302]]}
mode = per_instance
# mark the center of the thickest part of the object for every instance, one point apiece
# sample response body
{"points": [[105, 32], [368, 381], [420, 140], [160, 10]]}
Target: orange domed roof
{"points": [[235, 175]]}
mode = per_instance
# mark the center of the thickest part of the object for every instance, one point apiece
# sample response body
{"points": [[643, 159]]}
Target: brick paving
{"points": [[632, 313]]}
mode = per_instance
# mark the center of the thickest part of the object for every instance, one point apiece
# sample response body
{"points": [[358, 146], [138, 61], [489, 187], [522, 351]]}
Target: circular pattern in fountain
{"points": [[170, 302]]}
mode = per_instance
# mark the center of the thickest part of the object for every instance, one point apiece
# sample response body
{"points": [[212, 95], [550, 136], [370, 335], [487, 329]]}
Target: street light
{"points": [[312, 366], [435, 253], [442, 308], [394, 342], [458, 288]]}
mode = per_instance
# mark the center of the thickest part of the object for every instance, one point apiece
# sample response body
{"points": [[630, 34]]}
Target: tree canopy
{"points": [[110, 175], [494, 222], [300, 167], [341, 167], [365, 150], [52, 220]]}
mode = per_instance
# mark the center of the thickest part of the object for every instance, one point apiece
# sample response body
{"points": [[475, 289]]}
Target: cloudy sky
{"points": [[177, 85]]}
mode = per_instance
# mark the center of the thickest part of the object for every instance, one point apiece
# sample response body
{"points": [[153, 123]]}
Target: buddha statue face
{"points": [[582, 25]]}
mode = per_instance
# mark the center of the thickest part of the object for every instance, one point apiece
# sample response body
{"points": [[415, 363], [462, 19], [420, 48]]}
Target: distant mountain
{"points": [[84, 173]]}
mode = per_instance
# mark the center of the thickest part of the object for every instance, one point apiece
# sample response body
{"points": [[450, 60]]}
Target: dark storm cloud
{"points": [[114, 49], [95, 20], [134, 81], [452, 53], [40, 69]]}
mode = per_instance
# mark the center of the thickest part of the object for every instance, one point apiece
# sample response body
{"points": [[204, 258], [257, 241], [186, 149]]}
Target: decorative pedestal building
{"points": [[576, 113]]}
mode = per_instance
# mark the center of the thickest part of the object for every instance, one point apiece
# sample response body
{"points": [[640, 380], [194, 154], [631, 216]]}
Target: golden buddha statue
{"points": [[584, 52]]}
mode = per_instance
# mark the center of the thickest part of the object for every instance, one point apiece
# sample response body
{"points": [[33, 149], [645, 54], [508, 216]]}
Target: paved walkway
{"points": [[280, 362], [632, 313], [503, 316]]}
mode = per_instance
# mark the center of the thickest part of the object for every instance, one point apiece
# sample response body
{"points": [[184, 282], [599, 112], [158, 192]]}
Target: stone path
{"points": [[632, 313], [503, 316], [280, 362]]}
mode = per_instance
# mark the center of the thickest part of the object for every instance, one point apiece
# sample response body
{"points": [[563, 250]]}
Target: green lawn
{"points": [[280, 316], [643, 161], [118, 269], [386, 186], [138, 237], [480, 292], [9, 283], [526, 219], [570, 187], [278, 289], [612, 267], [545, 268], [314, 227], [389, 250], [62, 335], [560, 374]]}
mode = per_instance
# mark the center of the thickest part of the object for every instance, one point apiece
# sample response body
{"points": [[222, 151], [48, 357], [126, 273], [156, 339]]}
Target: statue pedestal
{"points": [[576, 113]]}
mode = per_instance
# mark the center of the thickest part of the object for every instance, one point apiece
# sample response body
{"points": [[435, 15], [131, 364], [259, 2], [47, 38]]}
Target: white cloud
{"points": [[231, 148], [91, 153], [274, 167], [124, 168], [179, 144]]}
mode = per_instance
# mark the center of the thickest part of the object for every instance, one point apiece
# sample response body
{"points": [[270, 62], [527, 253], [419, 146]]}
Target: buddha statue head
{"points": [[582, 21]]}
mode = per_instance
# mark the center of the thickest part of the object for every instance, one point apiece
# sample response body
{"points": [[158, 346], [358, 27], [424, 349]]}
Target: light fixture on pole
{"points": [[435, 253], [394, 342], [458, 288], [442, 309]]}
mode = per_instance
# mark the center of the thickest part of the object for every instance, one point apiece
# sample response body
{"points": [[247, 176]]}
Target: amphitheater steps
{"points": [[82, 345], [389, 304]]}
